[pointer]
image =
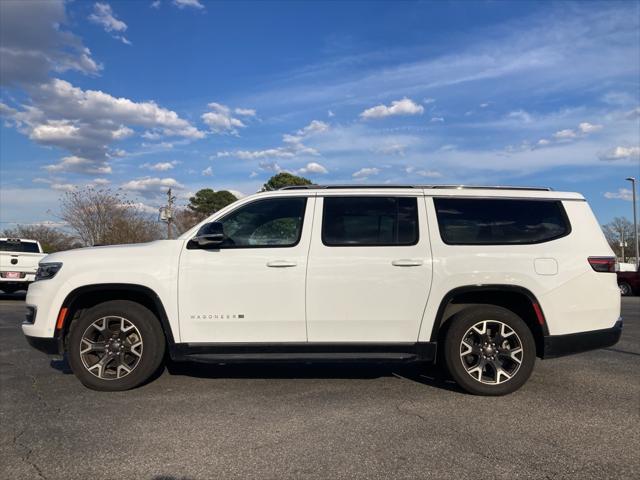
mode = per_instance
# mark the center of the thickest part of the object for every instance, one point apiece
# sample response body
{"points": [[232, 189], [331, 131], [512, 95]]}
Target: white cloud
{"points": [[330, 114], [63, 187], [316, 126], [484, 105], [245, 112], [292, 147], [586, 127], [207, 172], [621, 194], [391, 149], [312, 167], [34, 42], [150, 186], [363, 173], [220, 119], [79, 165], [427, 101], [86, 122], [188, 3], [621, 153], [405, 106], [155, 4], [521, 115], [543, 141], [101, 181], [160, 166], [423, 173], [565, 134], [437, 120], [270, 167], [103, 15]]}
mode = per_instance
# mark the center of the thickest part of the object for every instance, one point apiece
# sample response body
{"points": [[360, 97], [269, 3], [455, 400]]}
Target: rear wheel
{"points": [[115, 345], [489, 350], [625, 289]]}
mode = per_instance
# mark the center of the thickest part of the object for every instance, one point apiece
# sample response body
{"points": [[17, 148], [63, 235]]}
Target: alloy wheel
{"points": [[111, 348], [491, 352]]}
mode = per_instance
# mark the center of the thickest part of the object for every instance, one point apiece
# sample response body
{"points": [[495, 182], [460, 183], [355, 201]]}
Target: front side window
{"points": [[273, 222], [370, 221], [469, 221]]}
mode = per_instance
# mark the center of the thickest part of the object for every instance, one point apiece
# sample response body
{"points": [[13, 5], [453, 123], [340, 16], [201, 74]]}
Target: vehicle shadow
{"points": [[428, 375], [18, 296]]}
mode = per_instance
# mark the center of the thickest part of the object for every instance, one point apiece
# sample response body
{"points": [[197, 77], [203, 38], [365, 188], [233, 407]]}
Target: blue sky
{"points": [[143, 95]]}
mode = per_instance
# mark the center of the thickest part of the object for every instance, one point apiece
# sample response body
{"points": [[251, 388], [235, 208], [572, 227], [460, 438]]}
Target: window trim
{"points": [[257, 200], [563, 213], [330, 245]]}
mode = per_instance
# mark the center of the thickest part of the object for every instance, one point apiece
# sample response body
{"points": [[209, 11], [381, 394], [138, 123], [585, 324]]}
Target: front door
{"points": [[369, 270], [251, 288]]}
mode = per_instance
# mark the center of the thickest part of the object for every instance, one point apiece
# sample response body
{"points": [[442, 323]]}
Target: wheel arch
{"points": [[518, 299], [88, 295]]}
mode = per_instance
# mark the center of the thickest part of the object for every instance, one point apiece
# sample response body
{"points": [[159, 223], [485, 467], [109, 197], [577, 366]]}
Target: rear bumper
{"points": [[560, 345]]}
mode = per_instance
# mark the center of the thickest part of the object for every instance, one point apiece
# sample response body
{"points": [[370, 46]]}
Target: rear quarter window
{"points": [[472, 221]]}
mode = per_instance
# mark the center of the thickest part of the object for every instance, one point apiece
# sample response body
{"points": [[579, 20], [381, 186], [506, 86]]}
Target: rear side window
{"points": [[370, 221], [468, 221], [18, 246]]}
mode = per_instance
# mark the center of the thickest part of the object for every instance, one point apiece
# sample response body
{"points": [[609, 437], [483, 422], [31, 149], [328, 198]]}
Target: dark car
{"points": [[629, 282]]}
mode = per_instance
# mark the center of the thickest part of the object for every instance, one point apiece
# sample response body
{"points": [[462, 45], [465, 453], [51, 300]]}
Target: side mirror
{"points": [[210, 234]]}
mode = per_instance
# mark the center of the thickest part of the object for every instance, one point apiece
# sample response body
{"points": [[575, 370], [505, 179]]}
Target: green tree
{"points": [[284, 179], [206, 201]]}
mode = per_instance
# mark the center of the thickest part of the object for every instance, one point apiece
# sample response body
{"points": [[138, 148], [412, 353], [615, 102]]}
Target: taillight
{"points": [[603, 264]]}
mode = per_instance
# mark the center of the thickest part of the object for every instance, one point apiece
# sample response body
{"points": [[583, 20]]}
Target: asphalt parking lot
{"points": [[577, 417]]}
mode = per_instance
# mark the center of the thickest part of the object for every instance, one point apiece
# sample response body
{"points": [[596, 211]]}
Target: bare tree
{"points": [[51, 239], [184, 219], [105, 217], [617, 231]]}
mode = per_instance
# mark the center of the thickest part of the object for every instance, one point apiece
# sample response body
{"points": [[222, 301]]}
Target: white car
{"points": [[19, 259], [484, 279]]}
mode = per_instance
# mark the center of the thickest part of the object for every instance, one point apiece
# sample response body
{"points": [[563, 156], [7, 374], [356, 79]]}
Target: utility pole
{"points": [[166, 212], [635, 219]]}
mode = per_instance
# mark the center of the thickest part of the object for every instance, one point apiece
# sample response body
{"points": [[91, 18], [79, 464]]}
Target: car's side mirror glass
{"points": [[210, 235]]}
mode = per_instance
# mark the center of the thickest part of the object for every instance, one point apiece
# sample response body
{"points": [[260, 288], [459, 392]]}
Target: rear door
{"points": [[369, 270]]}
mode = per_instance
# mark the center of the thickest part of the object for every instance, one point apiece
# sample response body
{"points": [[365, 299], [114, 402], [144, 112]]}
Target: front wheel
{"points": [[489, 350], [115, 345]]}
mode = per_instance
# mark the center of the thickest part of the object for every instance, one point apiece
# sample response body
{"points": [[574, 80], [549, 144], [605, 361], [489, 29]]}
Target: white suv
{"points": [[484, 279]]}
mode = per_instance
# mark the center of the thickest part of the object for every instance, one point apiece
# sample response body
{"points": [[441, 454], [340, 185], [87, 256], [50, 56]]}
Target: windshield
{"points": [[18, 246]]}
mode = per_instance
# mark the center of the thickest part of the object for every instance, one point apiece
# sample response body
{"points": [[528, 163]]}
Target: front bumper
{"points": [[560, 345], [48, 345]]}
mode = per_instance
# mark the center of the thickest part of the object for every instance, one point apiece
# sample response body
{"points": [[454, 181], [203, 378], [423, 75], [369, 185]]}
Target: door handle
{"points": [[281, 263], [407, 262]]}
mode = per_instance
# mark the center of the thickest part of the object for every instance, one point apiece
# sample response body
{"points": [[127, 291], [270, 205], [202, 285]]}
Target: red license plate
{"points": [[12, 275]]}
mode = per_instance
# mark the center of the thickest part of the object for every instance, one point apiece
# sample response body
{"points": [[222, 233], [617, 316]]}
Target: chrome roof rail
{"points": [[458, 187]]}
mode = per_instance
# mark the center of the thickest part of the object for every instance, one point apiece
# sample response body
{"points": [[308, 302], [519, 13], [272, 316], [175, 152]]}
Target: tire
{"points": [[115, 345], [472, 356], [625, 289], [9, 290]]}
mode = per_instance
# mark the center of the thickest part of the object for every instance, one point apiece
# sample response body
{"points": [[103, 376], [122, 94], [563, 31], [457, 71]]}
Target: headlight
{"points": [[47, 270]]}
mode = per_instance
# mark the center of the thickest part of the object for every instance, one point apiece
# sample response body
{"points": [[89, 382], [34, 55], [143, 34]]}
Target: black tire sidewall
{"points": [[152, 338], [461, 322], [625, 289]]}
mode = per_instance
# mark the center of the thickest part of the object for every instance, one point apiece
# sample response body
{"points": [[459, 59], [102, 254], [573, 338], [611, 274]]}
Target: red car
{"points": [[629, 283]]}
